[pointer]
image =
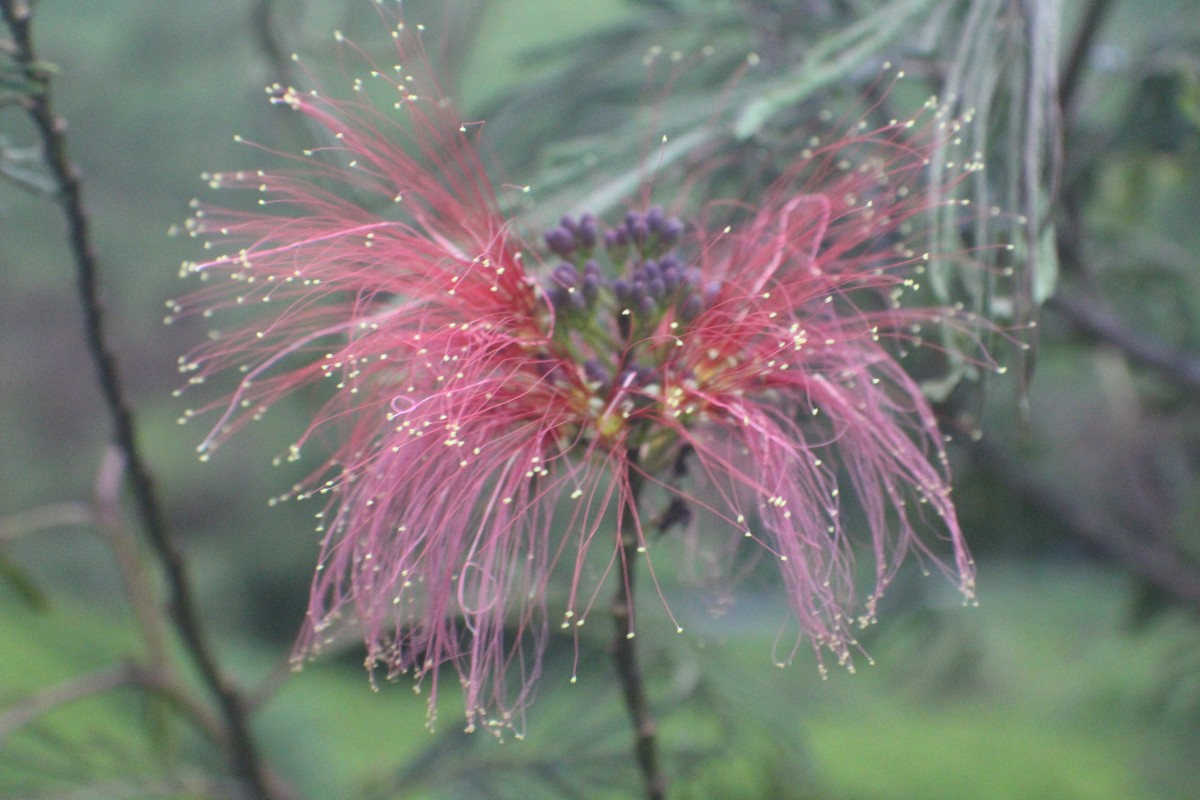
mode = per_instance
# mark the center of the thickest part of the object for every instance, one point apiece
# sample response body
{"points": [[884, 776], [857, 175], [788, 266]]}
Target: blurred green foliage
{"points": [[1075, 679], [1046, 690]]}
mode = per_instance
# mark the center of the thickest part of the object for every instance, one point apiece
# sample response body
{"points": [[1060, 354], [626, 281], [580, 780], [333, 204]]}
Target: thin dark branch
{"points": [[166, 688], [1088, 313], [1080, 50], [123, 543], [625, 649], [35, 705], [1093, 318], [266, 35], [51, 130], [1148, 558]]}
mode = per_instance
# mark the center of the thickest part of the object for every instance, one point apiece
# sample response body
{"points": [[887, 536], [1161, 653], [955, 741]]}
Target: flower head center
{"points": [[622, 298]]}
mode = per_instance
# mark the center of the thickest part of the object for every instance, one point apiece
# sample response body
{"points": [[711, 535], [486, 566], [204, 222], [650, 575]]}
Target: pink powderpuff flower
{"points": [[497, 404]]}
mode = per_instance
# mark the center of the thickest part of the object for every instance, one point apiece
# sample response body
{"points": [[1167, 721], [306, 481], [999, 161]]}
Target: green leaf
{"points": [[834, 58], [1045, 271]]}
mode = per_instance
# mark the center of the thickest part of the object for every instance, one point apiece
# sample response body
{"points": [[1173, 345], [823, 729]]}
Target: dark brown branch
{"points": [[1089, 314], [163, 686], [51, 130], [1094, 319], [1148, 558], [645, 730], [1080, 51]]}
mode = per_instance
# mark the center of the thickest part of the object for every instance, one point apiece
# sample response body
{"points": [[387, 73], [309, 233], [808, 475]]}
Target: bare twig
{"points": [[139, 590], [243, 752], [52, 515], [124, 548], [266, 36], [35, 705], [1092, 317], [1145, 555], [167, 688], [1081, 49]]}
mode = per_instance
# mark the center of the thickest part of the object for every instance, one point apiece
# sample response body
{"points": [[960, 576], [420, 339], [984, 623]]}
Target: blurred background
{"points": [[1078, 675]]}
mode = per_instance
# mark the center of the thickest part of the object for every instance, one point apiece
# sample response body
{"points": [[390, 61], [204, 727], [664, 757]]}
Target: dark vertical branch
{"points": [[268, 40], [625, 649], [51, 131], [1080, 50]]}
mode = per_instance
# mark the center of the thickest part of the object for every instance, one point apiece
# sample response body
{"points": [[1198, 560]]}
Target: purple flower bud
{"points": [[595, 371], [671, 278], [646, 271], [639, 231], [656, 218], [566, 274], [671, 233], [587, 232], [577, 300], [691, 308], [590, 288], [623, 289], [559, 296], [560, 241]]}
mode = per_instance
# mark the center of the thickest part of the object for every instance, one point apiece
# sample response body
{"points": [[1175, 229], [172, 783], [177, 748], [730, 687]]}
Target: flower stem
{"points": [[645, 729]]}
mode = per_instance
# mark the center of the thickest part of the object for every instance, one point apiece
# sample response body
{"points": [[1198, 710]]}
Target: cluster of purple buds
{"points": [[570, 289], [572, 236], [636, 273], [650, 232], [655, 284], [632, 290]]}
